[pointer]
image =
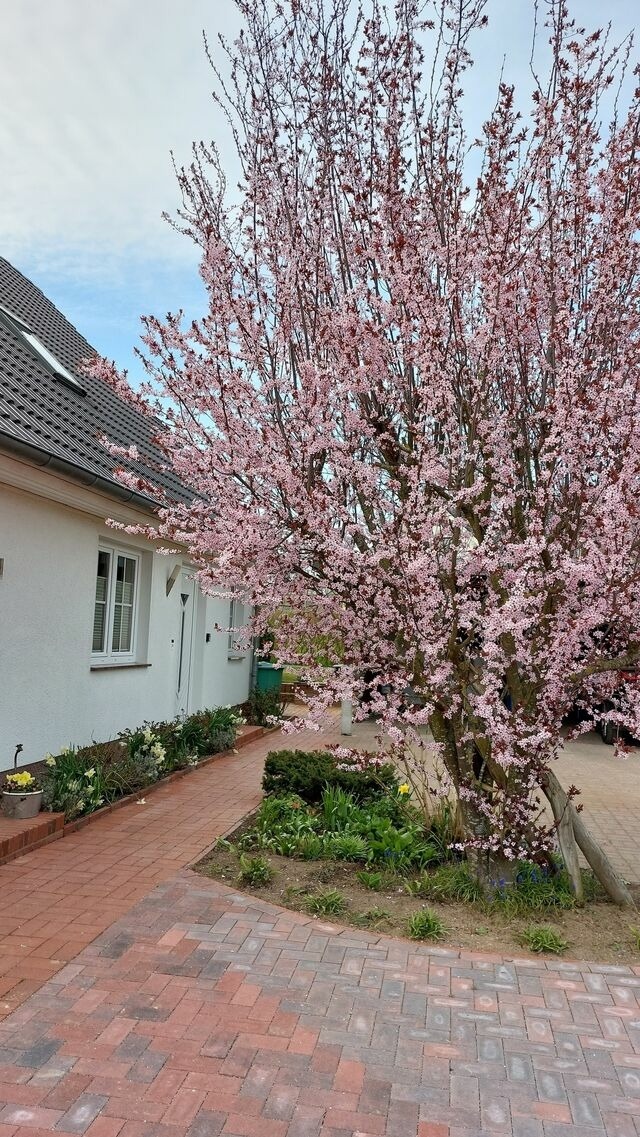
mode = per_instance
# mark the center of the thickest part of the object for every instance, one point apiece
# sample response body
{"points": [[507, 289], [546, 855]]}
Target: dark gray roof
{"points": [[45, 420]]}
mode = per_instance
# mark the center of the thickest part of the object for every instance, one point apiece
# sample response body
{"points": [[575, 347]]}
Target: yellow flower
{"points": [[405, 788], [22, 781]]}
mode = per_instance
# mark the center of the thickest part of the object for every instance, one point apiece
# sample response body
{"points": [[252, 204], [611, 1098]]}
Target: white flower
{"points": [[80, 805], [49, 760], [141, 801], [90, 773], [147, 734]]}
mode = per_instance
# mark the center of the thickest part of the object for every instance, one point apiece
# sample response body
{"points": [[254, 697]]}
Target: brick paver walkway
{"points": [[58, 898], [154, 1003], [206, 1013]]}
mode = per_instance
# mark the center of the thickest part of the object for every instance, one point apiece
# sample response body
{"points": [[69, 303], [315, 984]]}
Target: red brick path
{"points": [[205, 1013], [58, 898], [200, 1012]]}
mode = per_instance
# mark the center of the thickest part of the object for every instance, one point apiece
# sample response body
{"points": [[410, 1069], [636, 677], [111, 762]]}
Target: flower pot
{"points": [[21, 804]]}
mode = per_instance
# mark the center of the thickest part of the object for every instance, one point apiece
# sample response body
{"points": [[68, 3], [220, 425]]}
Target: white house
{"points": [[98, 631]]}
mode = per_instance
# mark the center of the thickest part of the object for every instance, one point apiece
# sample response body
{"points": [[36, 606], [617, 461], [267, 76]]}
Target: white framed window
{"points": [[237, 620], [115, 607]]}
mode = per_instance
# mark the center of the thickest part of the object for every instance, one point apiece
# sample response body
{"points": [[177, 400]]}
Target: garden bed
{"points": [[359, 854], [599, 932]]}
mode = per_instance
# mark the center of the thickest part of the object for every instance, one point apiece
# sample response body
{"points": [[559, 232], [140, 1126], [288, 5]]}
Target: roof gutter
{"points": [[46, 460]]}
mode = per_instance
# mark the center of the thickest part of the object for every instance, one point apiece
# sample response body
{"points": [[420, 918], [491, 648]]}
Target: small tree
{"points": [[410, 414]]}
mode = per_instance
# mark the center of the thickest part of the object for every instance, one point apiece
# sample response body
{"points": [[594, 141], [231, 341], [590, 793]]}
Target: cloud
{"points": [[96, 93], [94, 96]]}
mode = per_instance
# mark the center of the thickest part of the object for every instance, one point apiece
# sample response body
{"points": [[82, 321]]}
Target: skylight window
{"points": [[53, 363]]}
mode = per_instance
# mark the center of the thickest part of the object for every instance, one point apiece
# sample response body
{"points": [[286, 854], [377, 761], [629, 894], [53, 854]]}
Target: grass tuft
{"points": [[541, 937], [255, 871], [425, 925], [330, 903]]}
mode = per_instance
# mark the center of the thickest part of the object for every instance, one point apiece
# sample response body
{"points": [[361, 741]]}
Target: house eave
{"points": [[44, 459]]}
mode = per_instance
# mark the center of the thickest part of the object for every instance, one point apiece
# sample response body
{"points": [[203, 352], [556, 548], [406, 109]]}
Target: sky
{"points": [[96, 95]]}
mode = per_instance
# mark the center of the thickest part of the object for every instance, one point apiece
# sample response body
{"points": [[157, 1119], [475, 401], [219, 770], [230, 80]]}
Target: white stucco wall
{"points": [[49, 695]]}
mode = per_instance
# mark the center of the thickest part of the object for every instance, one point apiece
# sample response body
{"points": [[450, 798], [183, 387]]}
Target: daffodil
{"points": [[90, 773], [404, 788], [49, 760]]}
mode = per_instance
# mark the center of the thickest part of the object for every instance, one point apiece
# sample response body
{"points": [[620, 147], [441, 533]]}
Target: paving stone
{"points": [[191, 1009]]}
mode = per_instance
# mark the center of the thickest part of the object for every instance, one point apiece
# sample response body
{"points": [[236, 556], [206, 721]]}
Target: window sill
{"points": [[116, 666]]}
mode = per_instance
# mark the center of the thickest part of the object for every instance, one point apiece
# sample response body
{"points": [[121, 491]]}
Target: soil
{"points": [[600, 932]]}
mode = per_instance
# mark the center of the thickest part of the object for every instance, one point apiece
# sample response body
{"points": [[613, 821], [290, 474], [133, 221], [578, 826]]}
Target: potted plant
{"points": [[21, 796]]}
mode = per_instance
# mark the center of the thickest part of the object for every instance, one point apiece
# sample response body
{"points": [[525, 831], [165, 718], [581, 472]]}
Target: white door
{"points": [[185, 644]]}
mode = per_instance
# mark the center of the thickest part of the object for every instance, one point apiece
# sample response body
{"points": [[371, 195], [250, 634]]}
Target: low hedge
{"points": [[306, 773]]}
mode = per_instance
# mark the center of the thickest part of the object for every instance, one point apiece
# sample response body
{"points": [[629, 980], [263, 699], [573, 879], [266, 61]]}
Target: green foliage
{"points": [[347, 847], [80, 780], [308, 773], [635, 936], [309, 847], [281, 823], [443, 828], [398, 848], [542, 937], [74, 784], [425, 925], [339, 809], [537, 889], [330, 903], [448, 882], [262, 707], [371, 880], [255, 871]]}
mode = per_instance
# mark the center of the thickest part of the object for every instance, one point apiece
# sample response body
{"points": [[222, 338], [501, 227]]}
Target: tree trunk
{"points": [[613, 884]]}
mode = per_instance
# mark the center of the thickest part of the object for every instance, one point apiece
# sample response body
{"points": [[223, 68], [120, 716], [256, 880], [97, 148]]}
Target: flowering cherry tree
{"points": [[409, 417]]}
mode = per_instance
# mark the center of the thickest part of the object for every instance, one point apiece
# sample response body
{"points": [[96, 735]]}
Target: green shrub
{"points": [[370, 880], [330, 903], [425, 925], [210, 731], [541, 937], [255, 871], [263, 706], [307, 773]]}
